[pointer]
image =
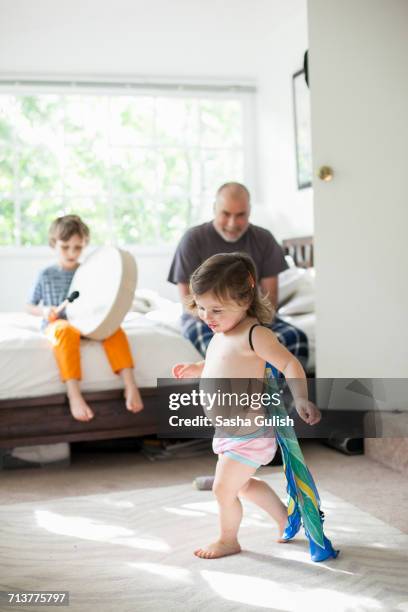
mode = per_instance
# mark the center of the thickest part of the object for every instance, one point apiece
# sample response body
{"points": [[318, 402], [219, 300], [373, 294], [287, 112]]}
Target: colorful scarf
{"points": [[303, 498]]}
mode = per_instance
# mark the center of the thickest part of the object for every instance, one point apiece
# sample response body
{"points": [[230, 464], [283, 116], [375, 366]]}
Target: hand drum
{"points": [[106, 283]]}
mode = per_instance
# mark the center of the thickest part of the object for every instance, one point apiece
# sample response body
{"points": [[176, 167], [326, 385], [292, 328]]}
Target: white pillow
{"points": [[169, 317], [146, 300], [288, 283], [303, 301], [298, 304]]}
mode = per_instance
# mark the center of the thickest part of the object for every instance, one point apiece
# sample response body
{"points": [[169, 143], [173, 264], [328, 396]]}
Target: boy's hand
{"points": [[308, 411], [50, 313], [187, 370]]}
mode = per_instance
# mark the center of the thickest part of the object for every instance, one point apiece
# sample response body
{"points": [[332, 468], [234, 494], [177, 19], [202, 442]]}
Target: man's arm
{"points": [[269, 286], [186, 259], [183, 290]]}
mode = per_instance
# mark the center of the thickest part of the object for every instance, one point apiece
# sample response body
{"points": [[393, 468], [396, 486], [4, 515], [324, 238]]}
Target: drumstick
{"points": [[71, 298]]}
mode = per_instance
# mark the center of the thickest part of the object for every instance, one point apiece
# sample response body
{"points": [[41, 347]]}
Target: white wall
{"points": [[257, 40]]}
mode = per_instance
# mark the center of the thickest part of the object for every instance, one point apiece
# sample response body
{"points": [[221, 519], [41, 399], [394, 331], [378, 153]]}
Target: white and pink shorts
{"points": [[251, 450]]}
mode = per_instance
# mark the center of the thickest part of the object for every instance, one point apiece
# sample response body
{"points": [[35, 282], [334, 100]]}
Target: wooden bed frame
{"points": [[47, 419], [301, 249]]}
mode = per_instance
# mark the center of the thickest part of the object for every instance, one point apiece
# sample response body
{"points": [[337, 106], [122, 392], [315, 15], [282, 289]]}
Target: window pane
{"points": [[37, 214], [173, 212], [177, 121], [86, 170], [6, 222], [135, 221], [221, 123], [131, 120], [38, 170], [94, 212], [138, 168], [8, 106], [174, 170], [6, 170], [38, 121], [219, 168], [85, 119], [133, 171]]}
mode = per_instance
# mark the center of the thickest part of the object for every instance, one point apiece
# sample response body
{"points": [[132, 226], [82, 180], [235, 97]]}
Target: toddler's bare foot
{"points": [[80, 409], [218, 549], [281, 528], [133, 399]]}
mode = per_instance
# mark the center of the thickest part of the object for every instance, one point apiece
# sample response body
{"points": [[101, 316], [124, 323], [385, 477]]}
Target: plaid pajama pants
{"points": [[293, 338]]}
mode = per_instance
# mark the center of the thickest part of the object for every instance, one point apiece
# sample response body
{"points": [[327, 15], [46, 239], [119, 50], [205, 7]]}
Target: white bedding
{"points": [[307, 323], [297, 305], [28, 367]]}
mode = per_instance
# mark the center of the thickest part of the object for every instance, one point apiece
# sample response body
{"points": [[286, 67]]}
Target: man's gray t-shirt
{"points": [[203, 241]]}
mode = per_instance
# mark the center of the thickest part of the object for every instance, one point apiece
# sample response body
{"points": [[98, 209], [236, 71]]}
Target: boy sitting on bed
{"points": [[68, 235]]}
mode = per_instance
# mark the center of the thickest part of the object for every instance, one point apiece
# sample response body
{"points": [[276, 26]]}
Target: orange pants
{"points": [[66, 340]]}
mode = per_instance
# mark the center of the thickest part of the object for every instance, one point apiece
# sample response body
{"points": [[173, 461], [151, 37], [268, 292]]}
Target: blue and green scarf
{"points": [[303, 497]]}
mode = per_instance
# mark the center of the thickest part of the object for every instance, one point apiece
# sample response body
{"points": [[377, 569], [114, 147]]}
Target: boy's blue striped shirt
{"points": [[51, 287]]}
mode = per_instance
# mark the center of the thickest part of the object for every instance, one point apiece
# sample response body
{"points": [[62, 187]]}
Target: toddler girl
{"points": [[224, 293]]}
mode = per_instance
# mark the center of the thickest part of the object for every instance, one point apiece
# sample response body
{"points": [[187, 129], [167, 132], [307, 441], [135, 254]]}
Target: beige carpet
{"points": [[132, 551]]}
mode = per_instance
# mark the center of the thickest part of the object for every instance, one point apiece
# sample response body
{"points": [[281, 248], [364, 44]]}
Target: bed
{"points": [[33, 404]]}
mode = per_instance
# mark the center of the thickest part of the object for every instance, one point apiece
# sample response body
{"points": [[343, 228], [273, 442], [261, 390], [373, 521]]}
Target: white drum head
{"points": [[106, 282]]}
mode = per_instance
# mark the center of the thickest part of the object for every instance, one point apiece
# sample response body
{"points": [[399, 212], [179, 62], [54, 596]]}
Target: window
{"points": [[139, 167]]}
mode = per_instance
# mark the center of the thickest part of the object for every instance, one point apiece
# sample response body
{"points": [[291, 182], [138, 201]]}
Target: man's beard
{"points": [[226, 237]]}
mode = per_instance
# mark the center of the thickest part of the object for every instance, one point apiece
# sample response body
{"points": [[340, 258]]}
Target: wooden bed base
{"points": [[47, 419]]}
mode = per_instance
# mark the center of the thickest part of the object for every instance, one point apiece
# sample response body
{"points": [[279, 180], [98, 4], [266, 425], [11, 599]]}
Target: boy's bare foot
{"points": [[218, 549], [80, 409], [133, 399]]}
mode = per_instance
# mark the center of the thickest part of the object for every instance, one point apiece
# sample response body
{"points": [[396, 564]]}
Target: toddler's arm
{"points": [[267, 346], [188, 370]]}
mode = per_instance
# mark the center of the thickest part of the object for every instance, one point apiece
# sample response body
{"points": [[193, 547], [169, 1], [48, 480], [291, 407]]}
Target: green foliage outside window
{"points": [[138, 169]]}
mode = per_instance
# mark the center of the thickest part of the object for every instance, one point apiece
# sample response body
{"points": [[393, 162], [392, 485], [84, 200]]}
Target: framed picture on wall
{"points": [[303, 148]]}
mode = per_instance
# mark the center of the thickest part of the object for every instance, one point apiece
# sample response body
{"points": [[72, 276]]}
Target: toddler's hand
{"points": [[186, 370], [308, 411]]}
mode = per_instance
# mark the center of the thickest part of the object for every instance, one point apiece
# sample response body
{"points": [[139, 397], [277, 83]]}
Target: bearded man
{"points": [[230, 231]]}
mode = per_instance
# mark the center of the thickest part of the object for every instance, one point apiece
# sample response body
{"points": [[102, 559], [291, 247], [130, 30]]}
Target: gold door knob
{"points": [[325, 173]]}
